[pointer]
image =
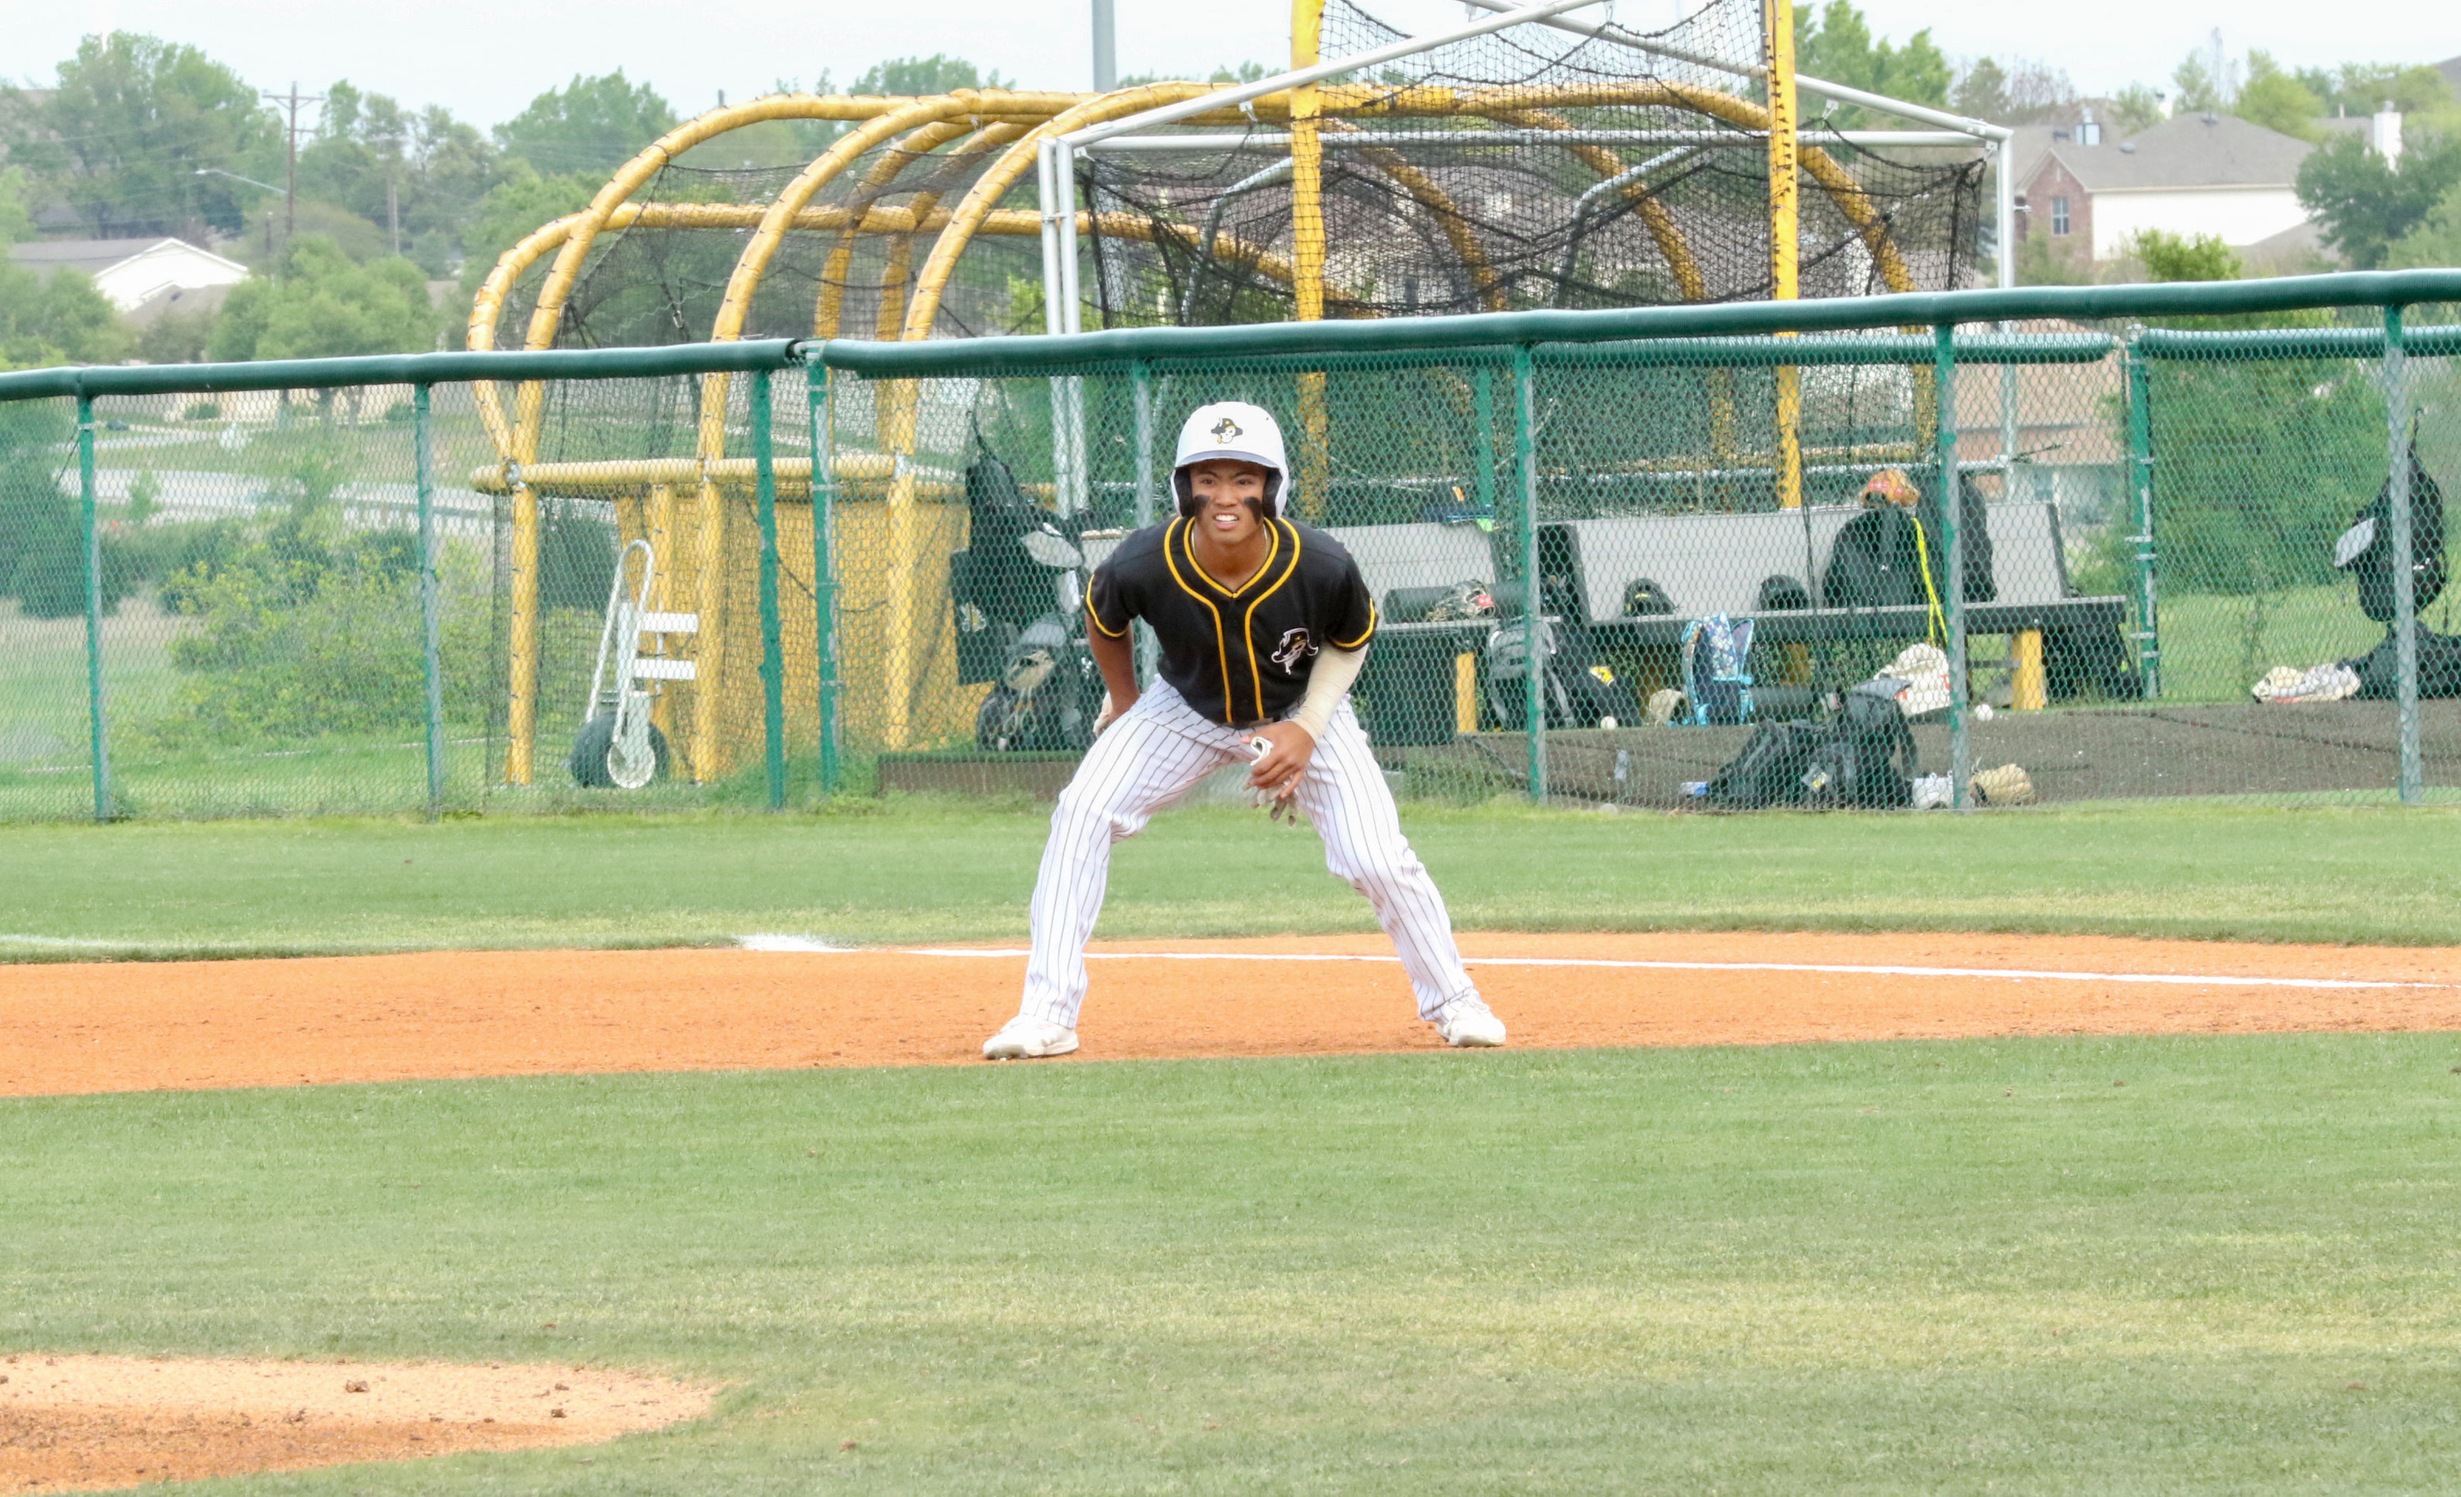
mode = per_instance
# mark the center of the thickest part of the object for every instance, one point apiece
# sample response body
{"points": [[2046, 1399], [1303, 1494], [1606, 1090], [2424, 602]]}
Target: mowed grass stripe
{"points": [[2087, 1265], [918, 873]]}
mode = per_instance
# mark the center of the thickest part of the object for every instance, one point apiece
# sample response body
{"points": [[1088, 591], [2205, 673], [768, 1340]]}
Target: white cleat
{"points": [[1467, 1022], [1022, 1038]]}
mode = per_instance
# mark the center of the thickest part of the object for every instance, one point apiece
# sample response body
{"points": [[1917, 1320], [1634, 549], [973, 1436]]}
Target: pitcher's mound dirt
{"points": [[134, 1026], [82, 1424]]}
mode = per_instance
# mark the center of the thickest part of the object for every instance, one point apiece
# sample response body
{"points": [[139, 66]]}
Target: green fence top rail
{"points": [[2293, 343], [1080, 352], [92, 380]]}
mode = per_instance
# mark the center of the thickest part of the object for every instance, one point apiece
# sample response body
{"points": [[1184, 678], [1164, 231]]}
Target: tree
{"points": [[2136, 107], [16, 206], [2364, 203], [2364, 88], [1981, 92], [1838, 47], [57, 319], [324, 306], [2183, 257], [128, 125], [2276, 100], [936, 74], [381, 160], [591, 126], [523, 202], [2205, 85], [2433, 243]]}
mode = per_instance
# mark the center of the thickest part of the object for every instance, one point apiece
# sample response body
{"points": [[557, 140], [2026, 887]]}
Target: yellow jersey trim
{"points": [[1364, 638], [1247, 626], [1095, 614]]}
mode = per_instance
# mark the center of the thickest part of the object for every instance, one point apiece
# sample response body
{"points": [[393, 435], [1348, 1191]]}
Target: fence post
{"points": [[1533, 611], [773, 649], [824, 569], [1944, 435], [2140, 492], [431, 624], [2411, 777], [1482, 408], [98, 724]]}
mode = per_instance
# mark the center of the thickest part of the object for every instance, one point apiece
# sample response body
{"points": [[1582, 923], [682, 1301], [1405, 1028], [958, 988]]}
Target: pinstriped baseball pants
{"points": [[1154, 754]]}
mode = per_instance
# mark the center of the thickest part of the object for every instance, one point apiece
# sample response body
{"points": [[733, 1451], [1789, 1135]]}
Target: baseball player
{"points": [[1263, 624]]}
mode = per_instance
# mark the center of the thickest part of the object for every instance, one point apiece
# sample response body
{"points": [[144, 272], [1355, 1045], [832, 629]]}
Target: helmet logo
{"points": [[1227, 430]]}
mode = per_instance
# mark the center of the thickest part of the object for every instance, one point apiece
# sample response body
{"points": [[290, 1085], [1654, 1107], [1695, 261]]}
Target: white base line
{"points": [[2021, 974]]}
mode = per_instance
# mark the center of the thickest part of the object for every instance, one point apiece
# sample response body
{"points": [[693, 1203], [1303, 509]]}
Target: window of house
{"points": [[2059, 215]]}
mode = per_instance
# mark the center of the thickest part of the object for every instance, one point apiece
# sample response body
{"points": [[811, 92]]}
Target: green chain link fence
{"points": [[2100, 552]]}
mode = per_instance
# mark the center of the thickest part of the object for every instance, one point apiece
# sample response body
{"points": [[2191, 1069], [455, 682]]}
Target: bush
{"points": [[287, 649], [2258, 466]]}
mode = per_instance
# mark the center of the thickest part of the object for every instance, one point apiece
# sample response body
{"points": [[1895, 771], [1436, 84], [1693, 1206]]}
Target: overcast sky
{"points": [[484, 59]]}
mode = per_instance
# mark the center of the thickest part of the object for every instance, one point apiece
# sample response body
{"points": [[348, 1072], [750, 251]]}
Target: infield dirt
{"points": [[101, 1027], [91, 1423]]}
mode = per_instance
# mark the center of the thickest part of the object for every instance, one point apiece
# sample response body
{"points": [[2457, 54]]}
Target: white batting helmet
{"points": [[1232, 429]]}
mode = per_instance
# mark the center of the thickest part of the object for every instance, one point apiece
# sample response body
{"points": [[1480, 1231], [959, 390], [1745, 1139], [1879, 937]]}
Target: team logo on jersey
{"points": [[1226, 430], [1296, 646]]}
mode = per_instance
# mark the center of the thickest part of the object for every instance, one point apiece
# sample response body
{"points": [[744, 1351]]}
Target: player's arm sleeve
{"points": [[1328, 679], [1353, 622], [1110, 602]]}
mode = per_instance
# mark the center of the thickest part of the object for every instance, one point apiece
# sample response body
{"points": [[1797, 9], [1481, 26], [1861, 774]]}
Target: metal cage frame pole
{"points": [[431, 621], [98, 722], [2139, 385], [773, 646], [2410, 778], [1533, 619], [1960, 690], [824, 570], [1141, 390], [2005, 230]]}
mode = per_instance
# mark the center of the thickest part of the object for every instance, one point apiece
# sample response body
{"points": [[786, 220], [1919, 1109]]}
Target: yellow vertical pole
{"points": [[2029, 684], [1307, 228], [1777, 54], [521, 717], [1465, 693]]}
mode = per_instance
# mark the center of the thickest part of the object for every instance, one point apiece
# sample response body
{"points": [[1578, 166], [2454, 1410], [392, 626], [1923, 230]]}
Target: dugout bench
{"points": [[1695, 565], [1699, 565]]}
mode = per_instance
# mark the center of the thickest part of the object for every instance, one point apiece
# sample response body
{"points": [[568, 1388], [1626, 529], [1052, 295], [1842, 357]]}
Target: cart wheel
{"points": [[594, 763]]}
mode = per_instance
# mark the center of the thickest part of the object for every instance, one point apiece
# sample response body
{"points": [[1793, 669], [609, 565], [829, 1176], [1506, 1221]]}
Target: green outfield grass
{"points": [[876, 871], [2111, 1265]]}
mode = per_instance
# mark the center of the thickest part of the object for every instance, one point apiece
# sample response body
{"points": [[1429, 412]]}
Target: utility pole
{"points": [[290, 195]]}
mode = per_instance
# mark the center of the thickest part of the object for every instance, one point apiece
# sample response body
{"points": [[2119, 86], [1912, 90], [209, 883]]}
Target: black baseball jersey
{"points": [[1240, 657]]}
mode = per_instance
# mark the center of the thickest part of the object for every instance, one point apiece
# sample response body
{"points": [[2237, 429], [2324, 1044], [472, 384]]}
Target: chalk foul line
{"points": [[1839, 969]]}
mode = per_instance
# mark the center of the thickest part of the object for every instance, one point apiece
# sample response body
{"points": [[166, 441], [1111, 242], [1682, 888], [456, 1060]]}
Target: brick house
{"points": [[2193, 174]]}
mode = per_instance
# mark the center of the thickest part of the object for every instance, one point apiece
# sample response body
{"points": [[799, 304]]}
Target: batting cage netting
{"points": [[1527, 167]]}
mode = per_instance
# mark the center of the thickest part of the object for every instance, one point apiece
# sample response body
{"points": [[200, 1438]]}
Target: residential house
{"points": [[143, 277], [2193, 174]]}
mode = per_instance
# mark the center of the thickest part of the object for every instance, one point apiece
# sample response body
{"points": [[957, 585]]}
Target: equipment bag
{"points": [[2366, 548], [1579, 690], [1861, 759]]}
